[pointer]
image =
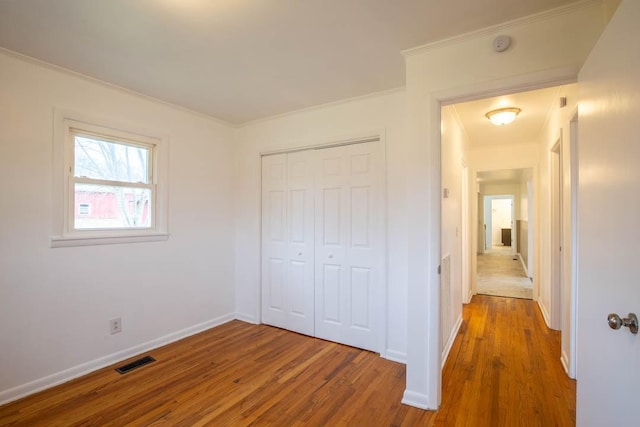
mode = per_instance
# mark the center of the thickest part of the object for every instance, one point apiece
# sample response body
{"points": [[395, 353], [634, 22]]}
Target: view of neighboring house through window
{"points": [[111, 184]]}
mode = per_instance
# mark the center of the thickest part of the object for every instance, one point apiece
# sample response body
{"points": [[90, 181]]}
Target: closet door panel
{"points": [[274, 240], [349, 223], [300, 286], [323, 243]]}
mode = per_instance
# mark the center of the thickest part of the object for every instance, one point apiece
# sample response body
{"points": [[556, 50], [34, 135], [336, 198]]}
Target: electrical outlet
{"points": [[116, 325]]}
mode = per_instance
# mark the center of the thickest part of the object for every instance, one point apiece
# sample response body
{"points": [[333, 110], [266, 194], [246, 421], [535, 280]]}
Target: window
{"points": [[116, 177], [112, 190]]}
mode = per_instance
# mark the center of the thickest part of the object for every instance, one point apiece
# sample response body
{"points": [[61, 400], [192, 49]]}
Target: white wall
{"points": [[545, 51], [56, 303], [556, 306], [454, 145], [383, 113]]}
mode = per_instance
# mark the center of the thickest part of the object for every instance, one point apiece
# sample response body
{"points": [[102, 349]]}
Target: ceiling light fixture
{"points": [[503, 116]]}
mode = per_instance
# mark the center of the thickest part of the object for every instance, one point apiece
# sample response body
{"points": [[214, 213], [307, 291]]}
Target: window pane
{"points": [[97, 159], [111, 207]]}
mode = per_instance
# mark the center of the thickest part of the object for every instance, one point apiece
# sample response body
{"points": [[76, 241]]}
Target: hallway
{"points": [[504, 369], [500, 273]]}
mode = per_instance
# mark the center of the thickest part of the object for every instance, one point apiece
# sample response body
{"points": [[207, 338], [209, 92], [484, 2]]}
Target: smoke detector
{"points": [[501, 43]]}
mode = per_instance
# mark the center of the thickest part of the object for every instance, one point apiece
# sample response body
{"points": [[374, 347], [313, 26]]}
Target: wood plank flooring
{"points": [[502, 370]]}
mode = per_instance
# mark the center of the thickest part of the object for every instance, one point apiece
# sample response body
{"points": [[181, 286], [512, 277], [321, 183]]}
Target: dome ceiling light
{"points": [[503, 116]]}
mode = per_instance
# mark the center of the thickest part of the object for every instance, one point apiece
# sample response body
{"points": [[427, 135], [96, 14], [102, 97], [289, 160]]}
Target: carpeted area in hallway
{"points": [[500, 273]]}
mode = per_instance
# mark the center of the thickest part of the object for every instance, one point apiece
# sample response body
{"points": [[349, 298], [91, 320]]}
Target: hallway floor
{"points": [[504, 369], [500, 273]]}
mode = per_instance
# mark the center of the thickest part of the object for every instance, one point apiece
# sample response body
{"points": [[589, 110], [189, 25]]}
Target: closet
{"points": [[323, 243]]}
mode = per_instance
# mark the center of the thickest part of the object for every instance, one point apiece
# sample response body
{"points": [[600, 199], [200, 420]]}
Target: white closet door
{"points": [[287, 241], [299, 301], [349, 243], [274, 239]]}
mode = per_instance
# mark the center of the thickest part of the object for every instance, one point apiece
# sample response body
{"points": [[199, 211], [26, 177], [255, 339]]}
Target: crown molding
{"points": [[44, 64], [321, 106], [492, 30]]}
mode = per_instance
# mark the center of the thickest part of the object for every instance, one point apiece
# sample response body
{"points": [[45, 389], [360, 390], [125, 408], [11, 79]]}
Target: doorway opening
{"points": [[499, 219], [501, 268], [505, 203]]}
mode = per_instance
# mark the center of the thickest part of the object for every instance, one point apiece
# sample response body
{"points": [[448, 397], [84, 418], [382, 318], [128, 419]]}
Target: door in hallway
{"points": [[608, 212]]}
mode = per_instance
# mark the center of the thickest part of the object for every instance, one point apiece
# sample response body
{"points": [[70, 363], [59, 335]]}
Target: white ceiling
{"points": [[503, 176], [240, 60], [535, 105], [536, 108]]}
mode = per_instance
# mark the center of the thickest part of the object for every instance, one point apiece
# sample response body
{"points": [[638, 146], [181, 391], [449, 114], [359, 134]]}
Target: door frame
{"points": [[488, 201], [382, 294], [424, 364], [570, 360], [556, 264]]}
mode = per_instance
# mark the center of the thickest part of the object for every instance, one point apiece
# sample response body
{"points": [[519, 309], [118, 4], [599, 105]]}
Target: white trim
{"points": [[396, 356], [381, 303], [451, 340], [382, 93], [326, 142], [573, 307], [545, 313], [248, 318], [63, 234], [417, 400], [91, 240], [103, 83], [523, 265], [522, 83], [503, 27], [564, 360], [429, 371], [52, 380]]}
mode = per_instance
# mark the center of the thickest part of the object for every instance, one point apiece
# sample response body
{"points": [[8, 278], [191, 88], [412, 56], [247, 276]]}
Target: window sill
{"points": [[93, 240]]}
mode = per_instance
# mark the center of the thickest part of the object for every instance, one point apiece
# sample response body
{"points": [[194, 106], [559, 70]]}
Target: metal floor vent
{"points": [[135, 364]]}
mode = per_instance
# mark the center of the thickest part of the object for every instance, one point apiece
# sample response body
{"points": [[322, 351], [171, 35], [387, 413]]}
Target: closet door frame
{"points": [[381, 293]]}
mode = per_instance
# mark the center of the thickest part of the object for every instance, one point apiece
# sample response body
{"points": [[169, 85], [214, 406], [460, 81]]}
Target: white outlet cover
{"points": [[501, 43]]}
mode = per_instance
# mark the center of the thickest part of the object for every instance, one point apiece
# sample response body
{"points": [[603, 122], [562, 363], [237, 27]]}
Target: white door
{"points": [[349, 243], [608, 360], [299, 303], [274, 241], [287, 241]]}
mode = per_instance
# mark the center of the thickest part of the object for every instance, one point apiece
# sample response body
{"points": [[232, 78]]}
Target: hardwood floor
{"points": [[502, 370], [233, 375]]}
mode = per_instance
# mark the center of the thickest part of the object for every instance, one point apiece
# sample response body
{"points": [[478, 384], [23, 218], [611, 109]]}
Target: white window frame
{"points": [[66, 125]]}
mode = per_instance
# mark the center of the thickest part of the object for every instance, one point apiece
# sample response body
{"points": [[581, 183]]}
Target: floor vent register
{"points": [[135, 364]]}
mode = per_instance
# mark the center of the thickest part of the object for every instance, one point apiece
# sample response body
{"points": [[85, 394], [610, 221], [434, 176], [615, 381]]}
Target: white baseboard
{"points": [[49, 381], [564, 359], [523, 264], [468, 299], [417, 400], [396, 356], [545, 313], [451, 340], [249, 318]]}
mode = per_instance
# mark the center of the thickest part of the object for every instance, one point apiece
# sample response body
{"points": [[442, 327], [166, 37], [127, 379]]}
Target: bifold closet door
{"points": [[349, 224], [287, 241]]}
